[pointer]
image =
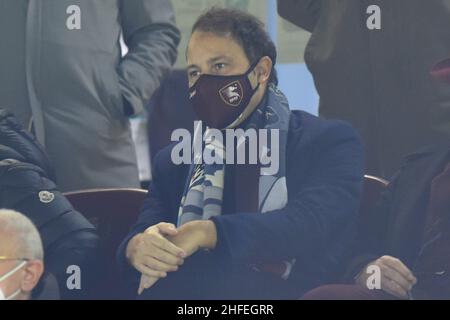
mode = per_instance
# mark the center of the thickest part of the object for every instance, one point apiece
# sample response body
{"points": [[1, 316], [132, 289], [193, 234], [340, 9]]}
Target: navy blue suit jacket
{"points": [[324, 179]]}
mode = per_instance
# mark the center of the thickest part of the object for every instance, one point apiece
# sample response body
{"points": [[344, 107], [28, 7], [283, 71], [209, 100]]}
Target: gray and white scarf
{"points": [[203, 194]]}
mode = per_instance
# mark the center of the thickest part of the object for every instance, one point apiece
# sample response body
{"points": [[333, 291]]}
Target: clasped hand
{"points": [[162, 248]]}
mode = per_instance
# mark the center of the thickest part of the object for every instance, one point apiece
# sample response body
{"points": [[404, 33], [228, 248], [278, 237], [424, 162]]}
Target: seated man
{"points": [[222, 230], [21, 256], [406, 238], [407, 235]]}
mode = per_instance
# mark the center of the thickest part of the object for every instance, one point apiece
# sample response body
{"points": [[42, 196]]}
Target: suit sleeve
{"points": [[327, 202], [371, 243], [302, 13], [152, 38], [153, 211]]}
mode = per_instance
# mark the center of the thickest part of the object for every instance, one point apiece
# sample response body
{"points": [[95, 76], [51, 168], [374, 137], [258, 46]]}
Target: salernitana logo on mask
{"points": [[232, 94]]}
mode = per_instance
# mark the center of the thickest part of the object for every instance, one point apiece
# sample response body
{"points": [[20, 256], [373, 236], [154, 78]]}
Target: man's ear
{"points": [[264, 70], [33, 272]]}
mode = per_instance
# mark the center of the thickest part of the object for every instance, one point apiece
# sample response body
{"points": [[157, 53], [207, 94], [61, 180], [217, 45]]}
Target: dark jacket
{"points": [[324, 175], [68, 238], [379, 80], [396, 225]]}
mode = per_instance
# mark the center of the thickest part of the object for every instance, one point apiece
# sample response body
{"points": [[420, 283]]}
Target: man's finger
{"points": [[141, 285], [400, 267], [166, 245], [149, 272], [167, 229], [157, 265], [166, 257], [397, 277], [154, 241], [394, 289], [146, 283], [150, 283]]}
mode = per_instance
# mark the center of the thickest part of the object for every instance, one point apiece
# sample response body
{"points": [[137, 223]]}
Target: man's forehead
{"points": [[6, 250], [8, 246], [208, 37], [213, 46]]}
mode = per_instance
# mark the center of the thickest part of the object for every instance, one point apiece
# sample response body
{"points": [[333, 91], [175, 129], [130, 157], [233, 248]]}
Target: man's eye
{"points": [[219, 66], [194, 74]]}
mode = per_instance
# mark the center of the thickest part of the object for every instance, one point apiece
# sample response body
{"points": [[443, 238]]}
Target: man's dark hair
{"points": [[247, 30]]}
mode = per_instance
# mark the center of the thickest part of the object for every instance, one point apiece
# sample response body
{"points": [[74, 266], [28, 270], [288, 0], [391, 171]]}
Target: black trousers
{"points": [[204, 277]]}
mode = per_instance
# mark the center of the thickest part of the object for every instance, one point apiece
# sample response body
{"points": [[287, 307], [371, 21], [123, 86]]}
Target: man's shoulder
{"points": [[164, 156], [426, 163], [308, 129], [430, 151]]}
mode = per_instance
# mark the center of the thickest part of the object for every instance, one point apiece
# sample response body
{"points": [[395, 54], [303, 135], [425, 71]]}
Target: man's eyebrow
{"points": [[210, 61], [215, 59], [191, 66]]}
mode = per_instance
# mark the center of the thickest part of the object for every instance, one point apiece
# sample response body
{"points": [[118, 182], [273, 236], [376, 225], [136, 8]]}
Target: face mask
{"points": [[220, 101], [6, 276]]}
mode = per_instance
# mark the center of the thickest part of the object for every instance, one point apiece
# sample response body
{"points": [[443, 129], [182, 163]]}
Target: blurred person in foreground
{"points": [[401, 250]]}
